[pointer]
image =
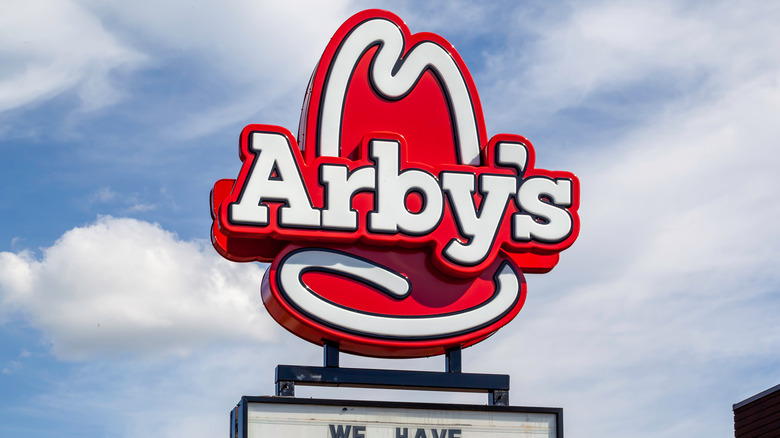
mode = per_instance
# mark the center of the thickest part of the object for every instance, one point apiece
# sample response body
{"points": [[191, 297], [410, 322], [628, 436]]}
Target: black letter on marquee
{"points": [[359, 432], [398, 433], [420, 434], [454, 433], [340, 432]]}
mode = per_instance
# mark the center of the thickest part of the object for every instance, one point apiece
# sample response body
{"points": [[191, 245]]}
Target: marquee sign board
{"points": [[393, 225], [262, 417]]}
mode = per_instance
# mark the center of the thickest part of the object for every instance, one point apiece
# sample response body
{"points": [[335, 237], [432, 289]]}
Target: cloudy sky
{"points": [[118, 319]]}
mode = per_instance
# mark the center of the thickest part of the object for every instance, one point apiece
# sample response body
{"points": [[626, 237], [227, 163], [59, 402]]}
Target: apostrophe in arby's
{"points": [[393, 225]]}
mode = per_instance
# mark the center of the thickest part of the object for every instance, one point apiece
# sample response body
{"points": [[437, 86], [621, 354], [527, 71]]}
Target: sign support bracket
{"points": [[453, 379]]}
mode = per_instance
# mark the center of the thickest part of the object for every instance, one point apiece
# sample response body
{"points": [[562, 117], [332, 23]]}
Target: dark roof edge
{"points": [[756, 397]]}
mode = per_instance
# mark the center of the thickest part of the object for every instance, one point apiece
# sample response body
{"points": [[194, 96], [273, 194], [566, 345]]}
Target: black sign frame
{"points": [[239, 414]]}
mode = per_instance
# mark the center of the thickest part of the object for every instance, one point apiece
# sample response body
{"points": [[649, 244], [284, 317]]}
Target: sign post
{"points": [[394, 227]]}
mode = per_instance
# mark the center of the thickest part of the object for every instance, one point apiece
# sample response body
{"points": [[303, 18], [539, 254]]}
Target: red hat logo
{"points": [[392, 225]]}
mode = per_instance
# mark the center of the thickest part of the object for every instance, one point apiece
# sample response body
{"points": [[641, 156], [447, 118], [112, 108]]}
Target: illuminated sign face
{"points": [[258, 417], [393, 226]]}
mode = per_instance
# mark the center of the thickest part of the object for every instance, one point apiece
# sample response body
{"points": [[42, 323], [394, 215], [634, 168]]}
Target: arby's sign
{"points": [[393, 225]]}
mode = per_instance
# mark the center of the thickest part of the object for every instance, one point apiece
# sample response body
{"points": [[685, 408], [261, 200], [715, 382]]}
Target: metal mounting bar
{"points": [[498, 398], [330, 354], [496, 385], [453, 360]]}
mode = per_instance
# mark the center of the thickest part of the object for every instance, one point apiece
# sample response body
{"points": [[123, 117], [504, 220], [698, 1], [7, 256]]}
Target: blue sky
{"points": [[117, 318]]}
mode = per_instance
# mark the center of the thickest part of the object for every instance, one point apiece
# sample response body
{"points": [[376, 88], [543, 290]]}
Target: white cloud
{"points": [[121, 286], [103, 194], [582, 51], [653, 323], [246, 40], [655, 318], [164, 398], [11, 367], [50, 46], [106, 200], [263, 52], [140, 208]]}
